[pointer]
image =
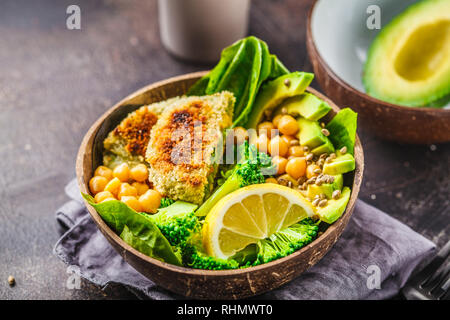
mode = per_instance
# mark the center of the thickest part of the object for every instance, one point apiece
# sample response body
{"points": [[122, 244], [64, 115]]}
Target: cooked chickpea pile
{"points": [[296, 167], [127, 185]]}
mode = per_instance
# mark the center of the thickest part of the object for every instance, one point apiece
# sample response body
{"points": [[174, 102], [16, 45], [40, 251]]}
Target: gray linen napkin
{"points": [[372, 260]]}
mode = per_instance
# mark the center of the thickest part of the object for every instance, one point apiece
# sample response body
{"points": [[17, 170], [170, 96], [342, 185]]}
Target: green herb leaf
{"points": [[343, 129], [136, 229], [242, 69]]}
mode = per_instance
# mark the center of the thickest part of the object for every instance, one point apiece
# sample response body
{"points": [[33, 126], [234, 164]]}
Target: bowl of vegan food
{"points": [[223, 184], [387, 60]]}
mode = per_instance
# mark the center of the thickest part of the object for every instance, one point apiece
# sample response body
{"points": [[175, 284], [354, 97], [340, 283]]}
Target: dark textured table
{"points": [[55, 82]]}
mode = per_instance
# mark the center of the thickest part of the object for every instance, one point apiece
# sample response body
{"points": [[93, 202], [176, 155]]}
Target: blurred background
{"points": [[55, 82]]}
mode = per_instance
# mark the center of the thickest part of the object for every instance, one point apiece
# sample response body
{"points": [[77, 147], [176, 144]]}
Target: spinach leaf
{"points": [[242, 69], [343, 129], [278, 68], [136, 229], [149, 244]]}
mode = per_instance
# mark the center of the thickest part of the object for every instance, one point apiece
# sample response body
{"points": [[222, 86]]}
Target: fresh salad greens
{"points": [[136, 229], [242, 68], [342, 129]]}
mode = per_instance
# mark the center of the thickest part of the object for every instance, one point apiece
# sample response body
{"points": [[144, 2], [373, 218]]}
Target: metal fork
{"points": [[433, 281]]}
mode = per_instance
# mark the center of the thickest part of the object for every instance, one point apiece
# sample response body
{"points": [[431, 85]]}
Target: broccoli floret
{"points": [[165, 202], [182, 228], [193, 257], [176, 221], [286, 241], [251, 169]]}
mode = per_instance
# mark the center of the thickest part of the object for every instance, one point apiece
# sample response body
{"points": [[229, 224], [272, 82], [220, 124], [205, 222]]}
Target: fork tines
{"points": [[433, 281]]}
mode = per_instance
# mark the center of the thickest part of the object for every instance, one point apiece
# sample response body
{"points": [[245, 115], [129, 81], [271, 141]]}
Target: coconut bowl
{"points": [[195, 283], [338, 40]]}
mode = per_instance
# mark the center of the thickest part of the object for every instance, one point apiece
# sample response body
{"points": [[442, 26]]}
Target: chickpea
{"points": [[276, 120], [266, 128], [139, 172], [97, 184], [262, 143], [271, 180], [103, 195], [108, 199], [140, 187], [280, 164], [288, 125], [240, 135], [287, 138], [126, 190], [278, 147], [296, 151], [132, 202], [310, 171], [122, 171], [113, 186], [150, 201], [103, 171], [296, 167]]}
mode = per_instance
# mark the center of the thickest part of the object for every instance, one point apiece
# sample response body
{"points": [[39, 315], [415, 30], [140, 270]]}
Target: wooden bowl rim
{"points": [[343, 83], [357, 180]]}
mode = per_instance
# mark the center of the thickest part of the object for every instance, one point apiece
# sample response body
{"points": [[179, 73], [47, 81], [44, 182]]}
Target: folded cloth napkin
{"points": [[372, 260]]}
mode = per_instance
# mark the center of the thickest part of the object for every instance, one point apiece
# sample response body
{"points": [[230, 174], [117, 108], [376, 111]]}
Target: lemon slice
{"points": [[250, 214]]}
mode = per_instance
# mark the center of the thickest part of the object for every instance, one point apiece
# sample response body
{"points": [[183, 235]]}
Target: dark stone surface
{"points": [[55, 82]]}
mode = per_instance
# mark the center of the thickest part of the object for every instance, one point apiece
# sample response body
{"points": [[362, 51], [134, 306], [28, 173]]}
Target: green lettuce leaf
{"points": [[242, 69], [343, 129], [136, 229]]}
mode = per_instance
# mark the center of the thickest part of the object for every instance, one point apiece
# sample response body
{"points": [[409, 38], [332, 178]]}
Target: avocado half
{"points": [[409, 61]]}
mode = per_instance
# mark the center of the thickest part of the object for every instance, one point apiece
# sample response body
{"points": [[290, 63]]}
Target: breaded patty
{"points": [[184, 142], [129, 140]]}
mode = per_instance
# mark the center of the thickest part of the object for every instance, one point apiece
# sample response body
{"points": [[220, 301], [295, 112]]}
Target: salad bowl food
{"points": [[351, 58], [150, 253]]}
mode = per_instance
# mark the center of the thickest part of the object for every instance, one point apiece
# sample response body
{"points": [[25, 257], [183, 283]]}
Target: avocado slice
{"points": [[341, 164], [409, 61], [307, 105], [327, 147], [334, 208], [310, 133], [326, 188], [274, 92]]}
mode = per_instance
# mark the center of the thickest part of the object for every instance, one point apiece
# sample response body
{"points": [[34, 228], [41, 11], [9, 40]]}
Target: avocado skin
{"points": [[307, 105], [334, 208], [326, 188], [275, 92], [342, 164]]}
